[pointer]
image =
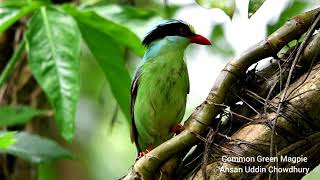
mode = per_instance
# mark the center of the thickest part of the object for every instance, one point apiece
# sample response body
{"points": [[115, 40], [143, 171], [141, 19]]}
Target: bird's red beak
{"points": [[198, 39]]}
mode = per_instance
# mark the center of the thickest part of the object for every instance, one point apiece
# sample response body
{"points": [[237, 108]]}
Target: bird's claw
{"points": [[177, 129], [144, 153]]}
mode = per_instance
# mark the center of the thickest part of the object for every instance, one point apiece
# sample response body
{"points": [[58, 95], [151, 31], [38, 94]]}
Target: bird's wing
{"points": [[187, 78], [134, 91]]}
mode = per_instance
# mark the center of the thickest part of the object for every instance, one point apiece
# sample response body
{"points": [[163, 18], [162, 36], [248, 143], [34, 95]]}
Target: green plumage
{"points": [[159, 92]]}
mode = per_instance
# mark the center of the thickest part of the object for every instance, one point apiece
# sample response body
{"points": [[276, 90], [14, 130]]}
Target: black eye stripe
{"points": [[170, 28], [183, 31]]}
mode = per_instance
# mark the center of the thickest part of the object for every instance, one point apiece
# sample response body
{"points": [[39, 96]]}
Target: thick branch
{"points": [[203, 116], [299, 119]]}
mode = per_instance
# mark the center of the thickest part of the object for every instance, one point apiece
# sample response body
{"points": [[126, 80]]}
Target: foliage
{"points": [[6, 140], [254, 5], [14, 115], [52, 43], [12, 62], [107, 40], [11, 12], [228, 6], [35, 148], [221, 45], [293, 8], [53, 47]]}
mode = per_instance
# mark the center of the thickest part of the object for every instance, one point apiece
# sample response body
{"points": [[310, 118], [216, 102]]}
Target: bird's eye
{"points": [[183, 31]]}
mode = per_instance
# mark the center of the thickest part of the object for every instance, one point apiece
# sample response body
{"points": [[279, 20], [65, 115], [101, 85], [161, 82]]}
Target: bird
{"points": [[161, 83]]}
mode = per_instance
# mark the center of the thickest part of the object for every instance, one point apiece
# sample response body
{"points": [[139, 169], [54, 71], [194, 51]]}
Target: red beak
{"points": [[198, 39]]}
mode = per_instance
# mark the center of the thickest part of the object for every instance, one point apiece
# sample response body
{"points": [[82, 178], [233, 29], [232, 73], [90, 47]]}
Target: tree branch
{"points": [[204, 115], [298, 123]]}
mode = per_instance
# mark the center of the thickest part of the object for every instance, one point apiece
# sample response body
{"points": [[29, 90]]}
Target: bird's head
{"points": [[175, 28]]}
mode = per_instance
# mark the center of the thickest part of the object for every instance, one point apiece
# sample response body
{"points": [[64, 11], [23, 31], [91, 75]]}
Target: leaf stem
{"points": [[12, 62]]}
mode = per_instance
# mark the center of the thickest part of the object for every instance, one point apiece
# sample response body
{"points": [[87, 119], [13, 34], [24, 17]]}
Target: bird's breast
{"points": [[161, 99], [165, 83], [163, 90]]}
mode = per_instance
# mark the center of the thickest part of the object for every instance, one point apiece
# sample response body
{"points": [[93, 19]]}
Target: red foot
{"points": [[143, 153], [177, 129]]}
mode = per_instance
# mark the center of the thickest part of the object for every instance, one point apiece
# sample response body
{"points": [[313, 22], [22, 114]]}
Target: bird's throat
{"points": [[171, 46]]}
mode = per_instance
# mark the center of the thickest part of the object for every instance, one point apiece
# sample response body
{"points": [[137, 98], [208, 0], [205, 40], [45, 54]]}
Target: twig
{"points": [[280, 77], [209, 140], [309, 90], [269, 95], [256, 97], [252, 108], [242, 117], [316, 40]]}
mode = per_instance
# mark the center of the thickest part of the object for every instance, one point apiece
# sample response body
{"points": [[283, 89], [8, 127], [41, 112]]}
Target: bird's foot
{"points": [[145, 152], [177, 129]]}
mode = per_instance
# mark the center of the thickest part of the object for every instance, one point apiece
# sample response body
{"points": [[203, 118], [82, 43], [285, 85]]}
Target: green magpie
{"points": [[160, 85]]}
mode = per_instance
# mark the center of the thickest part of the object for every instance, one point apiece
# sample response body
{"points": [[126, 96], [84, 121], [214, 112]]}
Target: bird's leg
{"points": [[177, 129], [145, 152]]}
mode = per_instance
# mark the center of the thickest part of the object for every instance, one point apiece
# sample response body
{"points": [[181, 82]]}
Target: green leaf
{"points": [[110, 57], [254, 5], [133, 13], [228, 6], [115, 11], [53, 44], [133, 18], [6, 140], [11, 12], [12, 62], [18, 115], [221, 45], [35, 148], [120, 34], [294, 8]]}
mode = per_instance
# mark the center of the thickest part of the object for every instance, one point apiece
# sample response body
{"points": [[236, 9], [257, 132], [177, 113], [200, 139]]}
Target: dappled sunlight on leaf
{"points": [[6, 139], [35, 148], [13, 11], [53, 42]]}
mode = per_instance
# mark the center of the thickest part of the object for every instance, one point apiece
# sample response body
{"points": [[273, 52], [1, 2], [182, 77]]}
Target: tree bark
{"points": [[297, 134], [250, 127]]}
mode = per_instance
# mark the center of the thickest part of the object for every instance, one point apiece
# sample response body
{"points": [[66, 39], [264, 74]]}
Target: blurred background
{"points": [[102, 145]]}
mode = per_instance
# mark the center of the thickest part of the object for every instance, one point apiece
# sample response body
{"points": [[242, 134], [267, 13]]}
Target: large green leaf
{"points": [[11, 12], [17, 114], [6, 139], [53, 44], [120, 34], [35, 148], [106, 39], [110, 57], [254, 5], [228, 6]]}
